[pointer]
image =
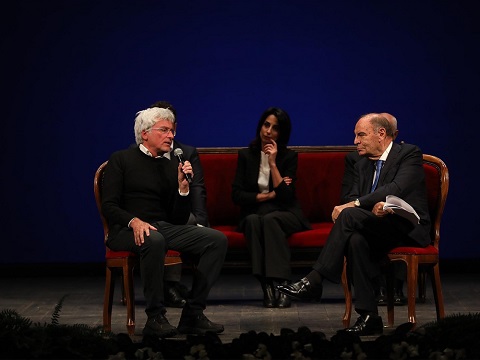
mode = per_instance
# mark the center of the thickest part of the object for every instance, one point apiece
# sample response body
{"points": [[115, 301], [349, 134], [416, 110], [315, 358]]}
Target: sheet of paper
{"points": [[402, 208]]}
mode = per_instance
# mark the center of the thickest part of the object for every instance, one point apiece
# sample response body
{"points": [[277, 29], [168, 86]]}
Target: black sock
{"points": [[314, 278]]}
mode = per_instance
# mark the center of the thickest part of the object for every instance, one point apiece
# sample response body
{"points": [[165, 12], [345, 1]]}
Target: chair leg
{"points": [[130, 296], [422, 289], [437, 292], [107, 300], [412, 283], [348, 297], [390, 287], [123, 299]]}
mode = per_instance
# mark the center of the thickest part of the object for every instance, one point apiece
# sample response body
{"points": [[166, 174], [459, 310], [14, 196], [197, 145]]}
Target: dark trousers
{"points": [[364, 239], [267, 242], [173, 273], [204, 247]]}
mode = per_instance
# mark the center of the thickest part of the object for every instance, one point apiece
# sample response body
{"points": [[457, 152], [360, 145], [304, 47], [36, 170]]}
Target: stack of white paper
{"points": [[402, 208]]}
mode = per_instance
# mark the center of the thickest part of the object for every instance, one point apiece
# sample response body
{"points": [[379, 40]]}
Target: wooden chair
{"points": [[123, 262], [419, 261]]}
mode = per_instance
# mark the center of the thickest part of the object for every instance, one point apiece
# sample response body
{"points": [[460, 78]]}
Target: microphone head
{"points": [[178, 152]]}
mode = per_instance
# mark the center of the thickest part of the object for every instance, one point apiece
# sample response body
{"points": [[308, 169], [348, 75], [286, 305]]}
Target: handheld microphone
{"points": [[179, 154]]}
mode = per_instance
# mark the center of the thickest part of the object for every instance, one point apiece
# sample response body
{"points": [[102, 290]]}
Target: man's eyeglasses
{"points": [[165, 130]]}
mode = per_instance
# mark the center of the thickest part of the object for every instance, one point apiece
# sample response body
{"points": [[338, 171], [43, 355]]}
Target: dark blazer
{"points": [[402, 175], [245, 185], [198, 192]]}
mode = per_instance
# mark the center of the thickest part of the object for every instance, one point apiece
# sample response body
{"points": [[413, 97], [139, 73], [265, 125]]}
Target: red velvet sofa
{"points": [[320, 171]]}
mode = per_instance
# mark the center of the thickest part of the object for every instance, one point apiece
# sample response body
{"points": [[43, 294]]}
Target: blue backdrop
{"points": [[75, 72]]}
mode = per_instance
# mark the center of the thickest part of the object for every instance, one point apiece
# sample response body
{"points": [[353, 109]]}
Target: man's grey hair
{"points": [[145, 119], [379, 121]]}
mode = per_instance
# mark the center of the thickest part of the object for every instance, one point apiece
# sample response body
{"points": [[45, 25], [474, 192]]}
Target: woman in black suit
{"points": [[264, 188]]}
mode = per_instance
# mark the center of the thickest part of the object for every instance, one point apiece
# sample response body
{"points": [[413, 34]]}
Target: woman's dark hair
{"points": [[284, 128]]}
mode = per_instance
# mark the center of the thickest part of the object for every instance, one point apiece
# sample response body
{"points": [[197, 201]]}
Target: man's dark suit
{"points": [[365, 238], [198, 194], [399, 267]]}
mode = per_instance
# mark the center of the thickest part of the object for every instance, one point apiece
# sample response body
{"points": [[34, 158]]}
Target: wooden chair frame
{"points": [[123, 262], [419, 261]]}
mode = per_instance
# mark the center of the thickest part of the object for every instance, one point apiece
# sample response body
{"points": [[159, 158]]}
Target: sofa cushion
{"points": [[317, 237], [310, 238]]}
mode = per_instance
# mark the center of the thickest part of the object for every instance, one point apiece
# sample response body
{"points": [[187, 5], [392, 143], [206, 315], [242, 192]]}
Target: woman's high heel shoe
{"points": [[269, 298], [283, 300]]}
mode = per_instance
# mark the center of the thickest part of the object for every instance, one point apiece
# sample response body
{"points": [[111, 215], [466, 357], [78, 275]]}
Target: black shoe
{"points": [[398, 298], [173, 297], [160, 327], [269, 298], [302, 290], [367, 325], [198, 324], [283, 300]]}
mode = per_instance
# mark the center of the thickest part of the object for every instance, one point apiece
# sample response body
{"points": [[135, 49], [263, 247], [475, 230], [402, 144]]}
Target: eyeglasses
{"points": [[164, 130]]}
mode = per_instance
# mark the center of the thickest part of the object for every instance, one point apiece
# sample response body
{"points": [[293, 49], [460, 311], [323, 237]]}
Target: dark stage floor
{"points": [[235, 301]]}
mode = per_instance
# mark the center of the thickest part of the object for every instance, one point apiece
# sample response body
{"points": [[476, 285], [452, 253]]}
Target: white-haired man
{"points": [[146, 203]]}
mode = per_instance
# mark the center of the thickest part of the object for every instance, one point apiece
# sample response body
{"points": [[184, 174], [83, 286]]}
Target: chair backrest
{"points": [[97, 189], [437, 181]]}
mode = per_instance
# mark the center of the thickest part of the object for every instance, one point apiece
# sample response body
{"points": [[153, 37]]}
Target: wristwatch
{"points": [[356, 203]]}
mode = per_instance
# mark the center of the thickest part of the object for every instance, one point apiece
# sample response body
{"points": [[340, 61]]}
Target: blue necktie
{"points": [[378, 168]]}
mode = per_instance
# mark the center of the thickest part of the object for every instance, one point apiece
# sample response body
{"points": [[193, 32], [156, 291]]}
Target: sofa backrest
{"points": [[219, 172], [319, 182], [320, 171]]}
